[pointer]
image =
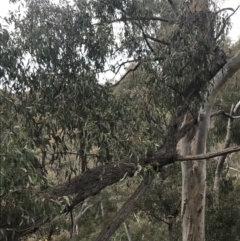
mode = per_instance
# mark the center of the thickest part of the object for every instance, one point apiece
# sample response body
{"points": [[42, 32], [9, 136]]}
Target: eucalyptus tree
{"points": [[54, 113]]}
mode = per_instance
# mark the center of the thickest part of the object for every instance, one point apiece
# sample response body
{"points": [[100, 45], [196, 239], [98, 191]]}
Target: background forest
{"points": [[86, 160]]}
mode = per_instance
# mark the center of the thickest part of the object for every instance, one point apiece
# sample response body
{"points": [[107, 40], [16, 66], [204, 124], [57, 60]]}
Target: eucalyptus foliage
{"points": [[55, 115]]}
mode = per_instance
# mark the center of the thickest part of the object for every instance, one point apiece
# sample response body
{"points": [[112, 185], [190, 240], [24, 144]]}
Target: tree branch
{"points": [[124, 76], [209, 155], [225, 20], [156, 40], [237, 107], [123, 63], [126, 19], [222, 112], [145, 38], [228, 70]]}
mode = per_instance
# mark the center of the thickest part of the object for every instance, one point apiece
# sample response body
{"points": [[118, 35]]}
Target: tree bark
{"points": [[194, 142], [194, 173], [193, 194]]}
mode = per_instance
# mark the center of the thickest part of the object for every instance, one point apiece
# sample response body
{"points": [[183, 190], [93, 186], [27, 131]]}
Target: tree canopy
{"points": [[64, 135]]}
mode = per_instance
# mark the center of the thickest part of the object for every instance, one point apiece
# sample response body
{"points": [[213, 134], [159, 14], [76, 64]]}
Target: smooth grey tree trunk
{"points": [[194, 172]]}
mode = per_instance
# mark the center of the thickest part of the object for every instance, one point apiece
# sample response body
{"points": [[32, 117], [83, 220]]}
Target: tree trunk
{"points": [[194, 142], [193, 186], [194, 173]]}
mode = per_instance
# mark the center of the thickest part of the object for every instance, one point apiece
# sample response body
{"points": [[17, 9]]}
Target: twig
{"points": [[124, 76], [145, 37], [123, 63], [157, 40], [136, 19], [224, 9], [225, 20]]}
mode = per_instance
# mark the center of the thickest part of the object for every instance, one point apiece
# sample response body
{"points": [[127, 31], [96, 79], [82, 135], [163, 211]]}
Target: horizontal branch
{"points": [[94, 180], [221, 112], [146, 19], [209, 155], [127, 19]]}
